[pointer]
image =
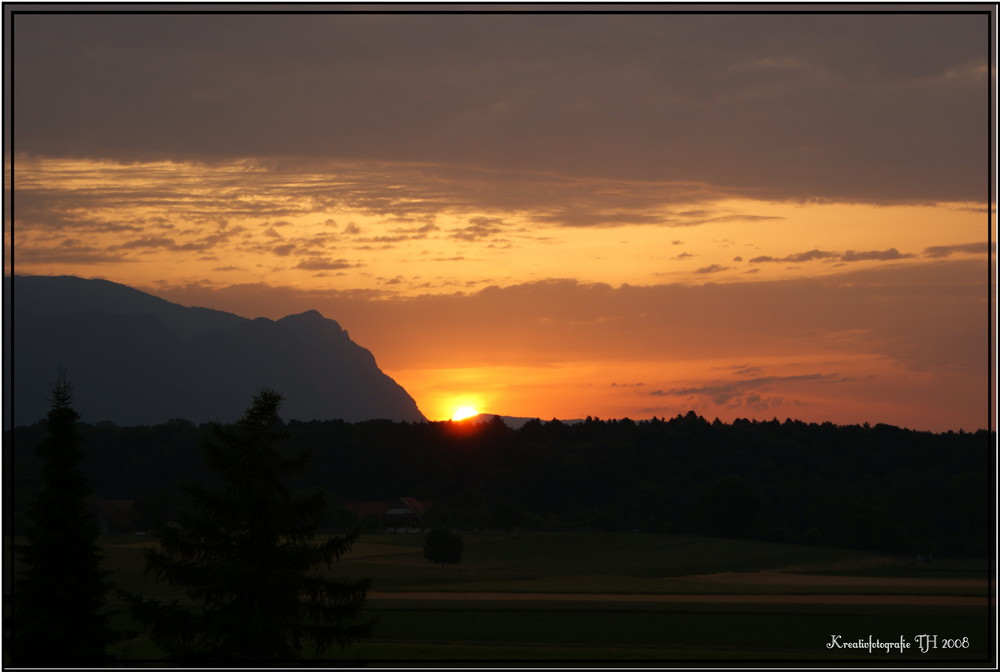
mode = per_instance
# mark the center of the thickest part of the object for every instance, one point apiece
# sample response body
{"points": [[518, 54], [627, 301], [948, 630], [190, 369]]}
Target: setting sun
{"points": [[464, 412]]}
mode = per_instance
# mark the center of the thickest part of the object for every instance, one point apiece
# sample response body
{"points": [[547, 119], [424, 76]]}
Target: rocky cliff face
{"points": [[136, 359]]}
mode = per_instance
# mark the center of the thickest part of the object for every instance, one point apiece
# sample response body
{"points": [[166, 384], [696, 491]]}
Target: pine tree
{"points": [[246, 554], [59, 596]]}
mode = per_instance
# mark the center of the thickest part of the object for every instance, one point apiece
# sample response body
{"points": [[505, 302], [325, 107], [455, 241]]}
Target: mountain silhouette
{"points": [[135, 359]]}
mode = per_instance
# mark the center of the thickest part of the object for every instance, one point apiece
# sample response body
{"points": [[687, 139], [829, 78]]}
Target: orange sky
{"points": [[567, 221]]}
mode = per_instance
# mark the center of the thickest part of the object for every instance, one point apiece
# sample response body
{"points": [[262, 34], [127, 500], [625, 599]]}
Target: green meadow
{"points": [[575, 597]]}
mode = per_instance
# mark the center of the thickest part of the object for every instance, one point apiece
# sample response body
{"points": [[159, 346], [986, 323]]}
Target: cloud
{"points": [[480, 228], [167, 195], [324, 264], [147, 241], [416, 233], [941, 251], [848, 256], [734, 393], [758, 403], [584, 218], [886, 255], [613, 96], [714, 268], [70, 251], [809, 256]]}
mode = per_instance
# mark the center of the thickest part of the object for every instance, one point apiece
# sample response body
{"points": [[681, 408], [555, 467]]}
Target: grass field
{"points": [[577, 597]]}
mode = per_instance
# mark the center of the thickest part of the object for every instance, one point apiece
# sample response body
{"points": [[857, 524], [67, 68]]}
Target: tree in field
{"points": [[247, 556], [443, 546], [59, 596]]}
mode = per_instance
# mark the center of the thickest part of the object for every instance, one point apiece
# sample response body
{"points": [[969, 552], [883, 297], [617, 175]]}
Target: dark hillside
{"points": [[138, 360]]}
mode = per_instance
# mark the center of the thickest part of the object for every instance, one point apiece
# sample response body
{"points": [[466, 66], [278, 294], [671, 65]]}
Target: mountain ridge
{"points": [[134, 358]]}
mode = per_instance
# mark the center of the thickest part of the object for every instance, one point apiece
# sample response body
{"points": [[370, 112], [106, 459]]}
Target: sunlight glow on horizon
{"points": [[463, 412]]}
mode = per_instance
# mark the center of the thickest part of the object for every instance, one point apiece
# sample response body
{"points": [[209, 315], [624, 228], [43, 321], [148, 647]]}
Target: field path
{"points": [[926, 600], [769, 578]]}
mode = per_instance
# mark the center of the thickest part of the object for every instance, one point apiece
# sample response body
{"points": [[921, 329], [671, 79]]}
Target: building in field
{"points": [[396, 515]]}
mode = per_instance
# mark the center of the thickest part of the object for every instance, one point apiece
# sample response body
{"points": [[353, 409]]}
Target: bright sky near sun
{"points": [[551, 215]]}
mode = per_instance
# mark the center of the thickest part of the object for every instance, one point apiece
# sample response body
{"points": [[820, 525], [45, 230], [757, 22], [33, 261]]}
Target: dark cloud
{"points": [[745, 370], [387, 241], [736, 392], [147, 241], [479, 228], [885, 255], [71, 252], [415, 233], [941, 251], [850, 106], [48, 199], [756, 402], [848, 256], [714, 268], [324, 264], [589, 218], [809, 256]]}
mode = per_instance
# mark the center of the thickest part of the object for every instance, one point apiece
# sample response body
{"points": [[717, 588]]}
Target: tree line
{"points": [[881, 487]]}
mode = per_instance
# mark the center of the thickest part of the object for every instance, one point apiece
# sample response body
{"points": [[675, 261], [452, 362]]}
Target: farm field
{"points": [[574, 597]]}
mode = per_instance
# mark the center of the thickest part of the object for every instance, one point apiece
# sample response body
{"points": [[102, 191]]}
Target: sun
{"points": [[463, 412]]}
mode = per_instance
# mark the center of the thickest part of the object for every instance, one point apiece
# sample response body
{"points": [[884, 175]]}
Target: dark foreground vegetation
{"points": [[607, 541], [244, 554], [880, 488]]}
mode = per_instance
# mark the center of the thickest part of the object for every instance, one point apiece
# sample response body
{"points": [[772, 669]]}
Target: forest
{"points": [[873, 487]]}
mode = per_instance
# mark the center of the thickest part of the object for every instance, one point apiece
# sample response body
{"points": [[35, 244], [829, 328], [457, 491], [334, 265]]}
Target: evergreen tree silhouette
{"points": [[246, 555], [59, 596]]}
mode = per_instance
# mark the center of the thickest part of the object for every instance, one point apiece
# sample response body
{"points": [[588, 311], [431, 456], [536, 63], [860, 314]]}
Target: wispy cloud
{"points": [[479, 228], [885, 255], [848, 256], [71, 252], [941, 251], [736, 393], [325, 264]]}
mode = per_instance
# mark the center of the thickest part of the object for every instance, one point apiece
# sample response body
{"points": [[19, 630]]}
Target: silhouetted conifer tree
{"points": [[59, 617], [246, 555]]}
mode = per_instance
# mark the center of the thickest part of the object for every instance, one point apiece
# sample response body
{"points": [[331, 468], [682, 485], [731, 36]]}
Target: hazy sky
{"points": [[550, 215]]}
